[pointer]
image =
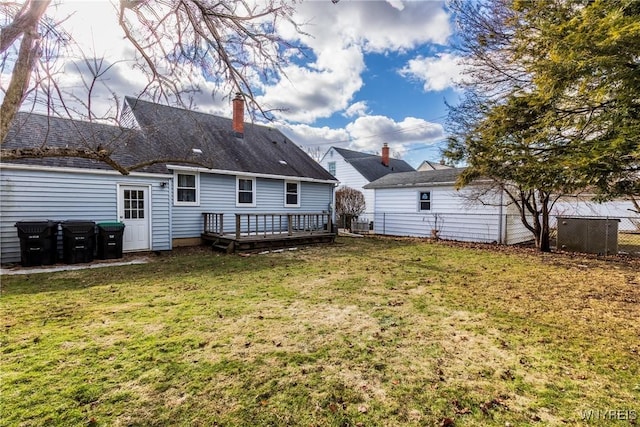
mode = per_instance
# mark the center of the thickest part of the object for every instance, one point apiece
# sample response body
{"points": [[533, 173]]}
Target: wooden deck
{"points": [[259, 231]]}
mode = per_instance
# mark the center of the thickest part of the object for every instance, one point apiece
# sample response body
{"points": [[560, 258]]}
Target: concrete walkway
{"points": [[69, 267]]}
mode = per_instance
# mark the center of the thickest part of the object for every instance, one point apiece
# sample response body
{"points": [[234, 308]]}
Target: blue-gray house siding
{"points": [[30, 194], [218, 195]]}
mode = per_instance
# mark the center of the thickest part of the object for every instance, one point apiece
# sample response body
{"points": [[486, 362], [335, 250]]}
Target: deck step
{"points": [[224, 246]]}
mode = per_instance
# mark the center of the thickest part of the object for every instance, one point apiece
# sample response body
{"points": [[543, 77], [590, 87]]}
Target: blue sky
{"points": [[389, 94], [376, 72], [386, 66]]}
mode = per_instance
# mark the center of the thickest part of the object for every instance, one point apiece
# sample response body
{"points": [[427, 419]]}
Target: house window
{"points": [[425, 200], [133, 204], [332, 168], [246, 192], [186, 188], [292, 194]]}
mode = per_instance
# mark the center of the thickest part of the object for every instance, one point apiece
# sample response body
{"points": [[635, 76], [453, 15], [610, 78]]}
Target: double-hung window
{"points": [[246, 192], [332, 168], [291, 194], [186, 188], [424, 202]]}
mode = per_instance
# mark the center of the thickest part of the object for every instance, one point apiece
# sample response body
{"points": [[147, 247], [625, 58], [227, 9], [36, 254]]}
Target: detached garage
{"points": [[426, 204]]}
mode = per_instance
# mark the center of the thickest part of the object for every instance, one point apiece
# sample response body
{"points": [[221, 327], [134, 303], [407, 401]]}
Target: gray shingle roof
{"points": [[263, 150], [417, 178], [167, 133], [370, 165], [36, 130]]}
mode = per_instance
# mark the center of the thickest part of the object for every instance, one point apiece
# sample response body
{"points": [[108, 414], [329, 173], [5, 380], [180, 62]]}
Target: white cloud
{"points": [[358, 109], [338, 36], [319, 90], [368, 134], [398, 4], [437, 73], [310, 136]]}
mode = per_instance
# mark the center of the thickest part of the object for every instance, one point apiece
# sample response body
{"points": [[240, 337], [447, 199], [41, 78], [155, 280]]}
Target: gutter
{"points": [[251, 174]]}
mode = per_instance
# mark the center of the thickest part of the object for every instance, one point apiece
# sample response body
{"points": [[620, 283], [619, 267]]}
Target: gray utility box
{"points": [[588, 235]]}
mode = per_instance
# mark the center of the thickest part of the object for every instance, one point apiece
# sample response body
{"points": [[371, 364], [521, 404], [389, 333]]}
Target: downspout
{"points": [[332, 206], [501, 237], [170, 197]]}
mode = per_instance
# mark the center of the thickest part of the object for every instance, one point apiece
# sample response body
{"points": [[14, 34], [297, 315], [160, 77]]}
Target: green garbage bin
{"points": [[110, 240], [38, 242], [79, 241]]}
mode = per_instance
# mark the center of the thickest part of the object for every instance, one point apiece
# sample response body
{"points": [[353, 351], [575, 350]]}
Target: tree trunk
{"points": [[545, 244], [28, 54]]}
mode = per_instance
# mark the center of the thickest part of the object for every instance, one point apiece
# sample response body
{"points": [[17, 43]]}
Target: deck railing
{"points": [[249, 225], [213, 223]]}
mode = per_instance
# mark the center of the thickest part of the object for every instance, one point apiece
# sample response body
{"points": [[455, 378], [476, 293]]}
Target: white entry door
{"points": [[133, 211]]}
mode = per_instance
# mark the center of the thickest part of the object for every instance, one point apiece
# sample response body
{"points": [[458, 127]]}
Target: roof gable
{"points": [[427, 165], [370, 165], [417, 178]]}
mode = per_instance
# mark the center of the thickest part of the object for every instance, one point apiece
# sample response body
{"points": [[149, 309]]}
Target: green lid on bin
{"points": [[111, 226]]}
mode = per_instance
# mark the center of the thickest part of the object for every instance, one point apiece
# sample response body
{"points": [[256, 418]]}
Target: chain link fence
{"points": [[490, 228]]}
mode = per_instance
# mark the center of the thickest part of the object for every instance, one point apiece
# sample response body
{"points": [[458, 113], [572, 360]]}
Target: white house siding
{"points": [[584, 207], [455, 217], [59, 195], [218, 195], [350, 177], [515, 231]]}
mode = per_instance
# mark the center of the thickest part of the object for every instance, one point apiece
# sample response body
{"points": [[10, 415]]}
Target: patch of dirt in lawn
{"points": [[299, 327]]}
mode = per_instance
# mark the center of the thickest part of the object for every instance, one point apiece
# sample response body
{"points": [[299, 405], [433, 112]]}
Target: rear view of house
{"points": [[186, 164]]}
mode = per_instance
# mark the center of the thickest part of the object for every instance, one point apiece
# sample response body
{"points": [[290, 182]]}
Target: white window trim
{"points": [[298, 186], [430, 201], [253, 187], [176, 202]]}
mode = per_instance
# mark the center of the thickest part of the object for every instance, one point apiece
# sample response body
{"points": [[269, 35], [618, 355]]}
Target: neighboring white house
{"points": [[427, 165], [583, 206], [355, 169]]}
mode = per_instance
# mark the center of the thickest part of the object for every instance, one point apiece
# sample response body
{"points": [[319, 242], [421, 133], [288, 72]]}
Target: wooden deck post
{"points": [[289, 225], [238, 226], [206, 222]]}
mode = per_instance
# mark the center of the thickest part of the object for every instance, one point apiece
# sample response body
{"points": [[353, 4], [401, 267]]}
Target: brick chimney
{"points": [[238, 115], [385, 154]]}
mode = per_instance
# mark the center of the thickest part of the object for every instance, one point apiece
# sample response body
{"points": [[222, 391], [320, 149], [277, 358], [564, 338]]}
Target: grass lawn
{"points": [[365, 332]]}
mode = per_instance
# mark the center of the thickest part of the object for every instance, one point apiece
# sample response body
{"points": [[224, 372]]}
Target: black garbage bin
{"points": [[110, 240], [38, 242], [79, 241]]}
